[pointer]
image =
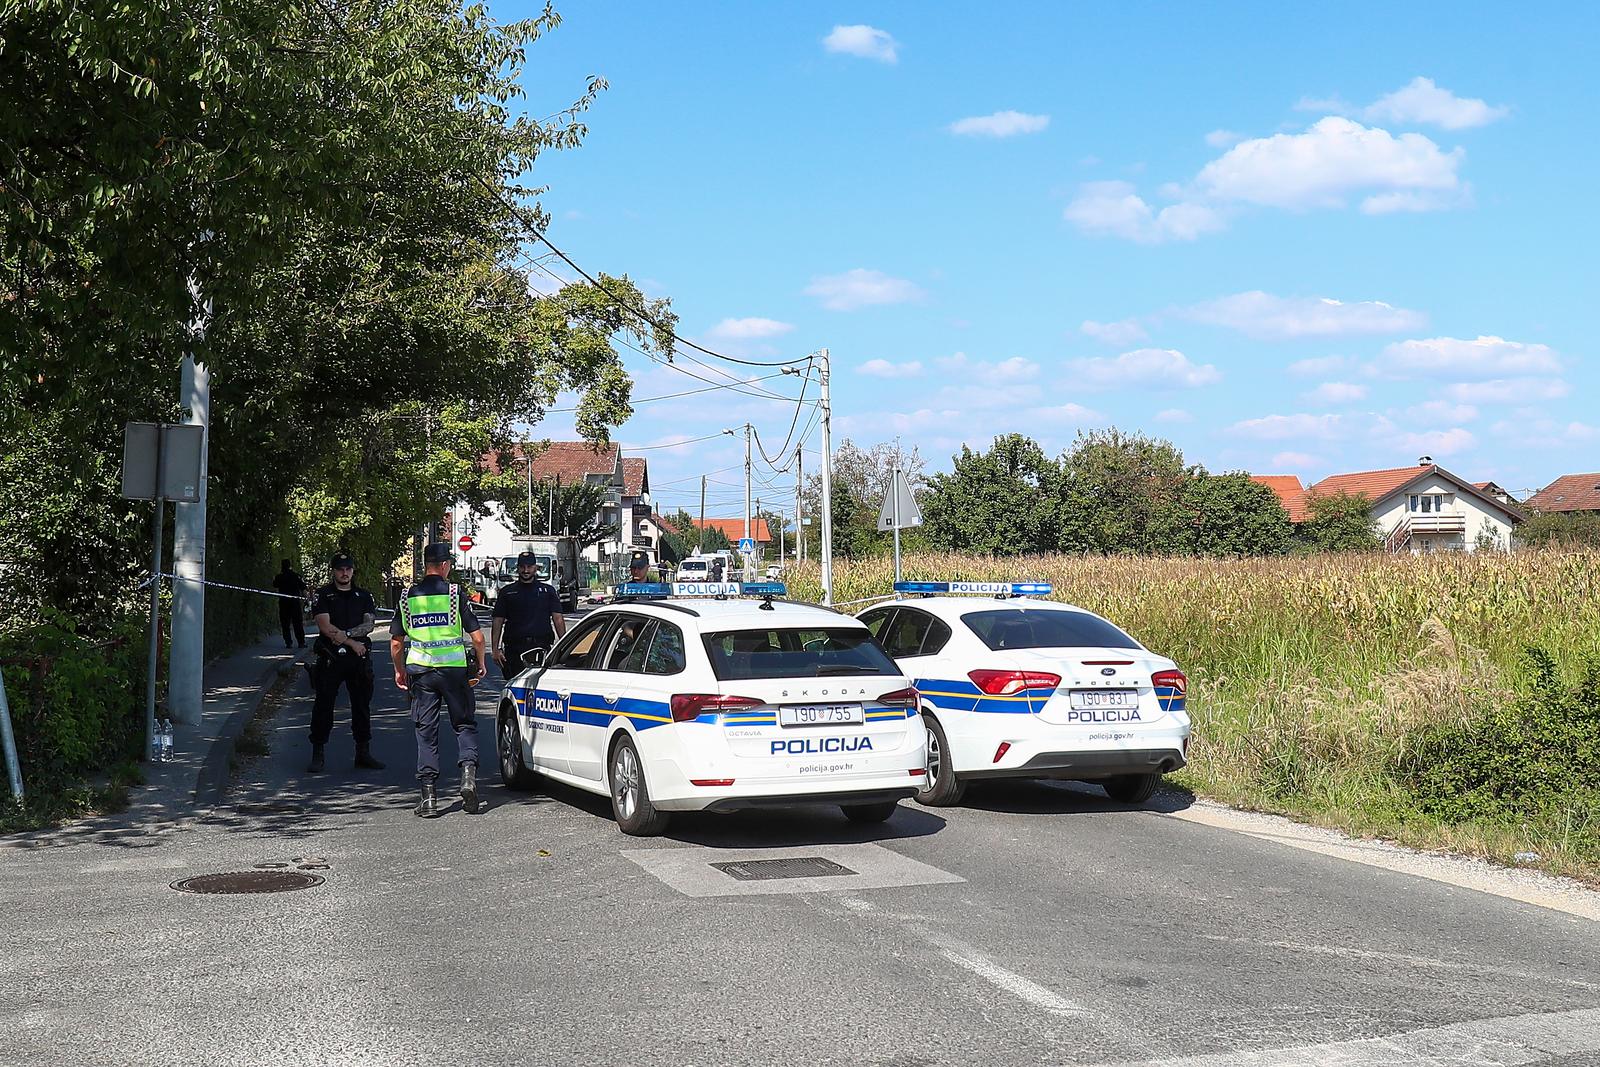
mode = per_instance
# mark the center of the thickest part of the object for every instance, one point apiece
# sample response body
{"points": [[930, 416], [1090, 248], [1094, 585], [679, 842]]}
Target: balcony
{"points": [[1423, 522]]}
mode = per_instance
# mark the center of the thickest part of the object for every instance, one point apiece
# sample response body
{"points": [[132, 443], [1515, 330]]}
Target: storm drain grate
{"points": [[789, 867], [248, 882]]}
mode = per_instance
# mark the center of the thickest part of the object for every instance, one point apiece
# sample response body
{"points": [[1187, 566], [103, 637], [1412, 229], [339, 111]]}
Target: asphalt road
{"points": [[1041, 924]]}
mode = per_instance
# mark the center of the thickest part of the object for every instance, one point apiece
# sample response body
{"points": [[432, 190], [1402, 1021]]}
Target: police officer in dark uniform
{"points": [[291, 604], [345, 614], [527, 614], [428, 645]]}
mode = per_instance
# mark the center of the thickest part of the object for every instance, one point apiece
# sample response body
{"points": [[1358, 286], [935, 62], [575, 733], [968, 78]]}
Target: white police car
{"points": [[687, 698], [1018, 688]]}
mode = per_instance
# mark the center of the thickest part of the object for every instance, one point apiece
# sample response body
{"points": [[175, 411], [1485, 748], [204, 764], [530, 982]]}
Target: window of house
{"points": [[1415, 502], [1427, 504]]}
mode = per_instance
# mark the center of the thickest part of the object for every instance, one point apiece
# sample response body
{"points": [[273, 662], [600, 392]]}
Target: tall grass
{"points": [[1311, 677]]}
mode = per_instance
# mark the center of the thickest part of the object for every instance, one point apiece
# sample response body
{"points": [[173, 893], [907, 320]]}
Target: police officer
{"points": [[436, 620], [638, 567], [345, 614], [291, 604], [527, 614]]}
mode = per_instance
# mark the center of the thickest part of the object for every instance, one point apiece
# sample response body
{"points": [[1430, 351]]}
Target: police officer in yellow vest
{"points": [[428, 646]]}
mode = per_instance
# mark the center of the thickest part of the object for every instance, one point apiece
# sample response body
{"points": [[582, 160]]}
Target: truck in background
{"points": [[559, 564]]}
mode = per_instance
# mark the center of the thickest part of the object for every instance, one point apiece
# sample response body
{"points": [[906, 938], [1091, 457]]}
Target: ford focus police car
{"points": [[1017, 688], [690, 698]]}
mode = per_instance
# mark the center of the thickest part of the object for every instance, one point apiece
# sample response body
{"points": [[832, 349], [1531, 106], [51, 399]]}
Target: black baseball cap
{"points": [[638, 559], [342, 559], [530, 558], [438, 552]]}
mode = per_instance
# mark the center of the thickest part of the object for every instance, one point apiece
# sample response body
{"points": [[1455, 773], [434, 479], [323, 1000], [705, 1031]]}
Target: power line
{"points": [[670, 396], [671, 444]]}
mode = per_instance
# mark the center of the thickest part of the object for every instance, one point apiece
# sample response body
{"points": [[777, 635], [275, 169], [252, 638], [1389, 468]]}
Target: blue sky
{"points": [[1291, 241]]}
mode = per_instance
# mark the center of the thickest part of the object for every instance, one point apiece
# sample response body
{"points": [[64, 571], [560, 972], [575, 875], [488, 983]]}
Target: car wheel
{"points": [[941, 788], [513, 772], [630, 793], [1132, 788], [869, 812]]}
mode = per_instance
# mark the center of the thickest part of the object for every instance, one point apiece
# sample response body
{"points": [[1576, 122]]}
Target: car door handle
{"points": [[611, 698], [563, 693]]}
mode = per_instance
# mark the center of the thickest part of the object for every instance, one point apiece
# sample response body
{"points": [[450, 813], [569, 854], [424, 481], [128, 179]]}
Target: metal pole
{"points": [[150, 665], [529, 461], [744, 564], [185, 667], [9, 741], [894, 493], [799, 506], [757, 514], [827, 485], [700, 530], [550, 516]]}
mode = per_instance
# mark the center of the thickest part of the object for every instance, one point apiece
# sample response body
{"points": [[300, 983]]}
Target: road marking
{"points": [[1510, 1041], [964, 955], [1525, 886]]}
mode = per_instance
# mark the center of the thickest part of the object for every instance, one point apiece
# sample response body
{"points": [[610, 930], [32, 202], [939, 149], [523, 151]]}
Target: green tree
{"points": [[575, 508], [1123, 493], [1560, 530], [1339, 522], [1003, 501], [860, 484], [1230, 515]]}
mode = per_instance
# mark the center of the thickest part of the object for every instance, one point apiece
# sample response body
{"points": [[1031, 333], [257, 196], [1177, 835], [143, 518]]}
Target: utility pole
{"points": [[550, 513], [799, 505], [529, 461], [700, 530], [827, 485], [185, 675], [747, 479]]}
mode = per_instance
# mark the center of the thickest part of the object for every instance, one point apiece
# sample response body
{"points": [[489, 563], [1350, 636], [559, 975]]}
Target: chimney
{"points": [[1425, 461]]}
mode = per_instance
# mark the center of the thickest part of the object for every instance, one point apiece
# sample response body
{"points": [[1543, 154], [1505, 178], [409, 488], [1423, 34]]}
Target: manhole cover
{"points": [[248, 882], [790, 867]]}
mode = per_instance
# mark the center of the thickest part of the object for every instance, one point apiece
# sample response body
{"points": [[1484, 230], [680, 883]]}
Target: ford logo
{"points": [[1108, 671]]}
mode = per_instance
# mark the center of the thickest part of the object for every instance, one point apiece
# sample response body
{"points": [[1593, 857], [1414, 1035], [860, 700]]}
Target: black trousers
{"points": [[355, 674], [516, 646], [430, 690], [293, 619]]}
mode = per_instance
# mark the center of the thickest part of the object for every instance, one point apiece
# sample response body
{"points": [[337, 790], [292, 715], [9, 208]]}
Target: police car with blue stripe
{"points": [[1014, 687], [715, 696]]}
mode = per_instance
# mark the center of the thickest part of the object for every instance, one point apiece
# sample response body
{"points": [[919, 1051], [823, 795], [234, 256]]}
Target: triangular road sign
{"points": [[910, 514]]}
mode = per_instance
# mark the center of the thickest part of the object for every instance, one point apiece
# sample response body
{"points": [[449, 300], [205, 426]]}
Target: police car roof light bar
{"points": [[718, 590], [996, 589]]}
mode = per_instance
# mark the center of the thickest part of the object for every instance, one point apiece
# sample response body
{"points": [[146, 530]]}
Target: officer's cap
{"points": [[438, 552], [342, 559], [638, 559], [529, 558]]}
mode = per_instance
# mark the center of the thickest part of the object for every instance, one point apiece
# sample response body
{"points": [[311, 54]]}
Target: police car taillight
{"points": [[900, 698], [1008, 683], [1171, 679], [689, 706]]}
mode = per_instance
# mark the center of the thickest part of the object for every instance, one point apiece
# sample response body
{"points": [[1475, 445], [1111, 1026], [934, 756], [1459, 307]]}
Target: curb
{"points": [[214, 772]]}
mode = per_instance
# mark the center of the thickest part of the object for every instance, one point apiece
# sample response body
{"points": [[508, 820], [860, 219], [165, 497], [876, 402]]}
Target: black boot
{"points": [[428, 806], [364, 757], [316, 764], [469, 788]]}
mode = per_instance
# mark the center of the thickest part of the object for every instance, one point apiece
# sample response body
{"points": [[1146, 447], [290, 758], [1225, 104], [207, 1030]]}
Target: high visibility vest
{"points": [[433, 623]]}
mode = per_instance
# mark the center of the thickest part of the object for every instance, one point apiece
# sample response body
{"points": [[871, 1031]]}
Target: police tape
{"points": [[236, 588]]}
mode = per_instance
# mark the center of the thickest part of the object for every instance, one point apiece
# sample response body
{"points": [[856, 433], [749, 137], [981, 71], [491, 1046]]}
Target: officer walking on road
{"points": [[428, 645], [345, 614], [291, 605], [527, 614]]}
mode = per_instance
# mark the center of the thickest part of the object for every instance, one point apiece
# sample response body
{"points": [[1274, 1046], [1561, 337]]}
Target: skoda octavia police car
{"points": [[688, 698], [1018, 688]]}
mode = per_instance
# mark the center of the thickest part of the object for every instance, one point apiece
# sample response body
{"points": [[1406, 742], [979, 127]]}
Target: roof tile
{"points": [[1570, 492], [1291, 494]]}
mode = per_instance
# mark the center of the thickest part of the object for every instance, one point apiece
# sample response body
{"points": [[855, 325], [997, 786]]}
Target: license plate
{"points": [[1105, 698], [820, 714]]}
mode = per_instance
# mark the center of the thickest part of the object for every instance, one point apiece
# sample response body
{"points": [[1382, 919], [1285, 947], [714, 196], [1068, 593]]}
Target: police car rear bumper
{"points": [[849, 798], [1084, 766]]}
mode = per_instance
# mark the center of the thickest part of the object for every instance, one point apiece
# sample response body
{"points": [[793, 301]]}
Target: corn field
{"points": [[1309, 675]]}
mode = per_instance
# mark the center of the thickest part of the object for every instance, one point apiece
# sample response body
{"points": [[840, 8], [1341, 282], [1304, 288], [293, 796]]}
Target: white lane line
{"points": [[1526, 886], [1511, 1041], [1009, 981]]}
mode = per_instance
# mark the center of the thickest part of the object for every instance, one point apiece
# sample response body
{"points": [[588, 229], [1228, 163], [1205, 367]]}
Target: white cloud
{"points": [[1310, 368], [1223, 138], [1075, 414], [882, 368], [1437, 442], [1000, 124], [1441, 411], [1481, 358], [973, 372], [861, 288], [1537, 431], [1174, 415], [1160, 368], [1113, 209], [1123, 332], [1337, 393], [1280, 318], [748, 329], [1286, 427], [1424, 103], [1323, 166], [1508, 391], [865, 42], [1285, 460]]}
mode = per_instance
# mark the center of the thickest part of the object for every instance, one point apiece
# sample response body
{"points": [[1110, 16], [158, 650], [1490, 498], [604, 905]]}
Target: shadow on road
{"points": [[1025, 796], [807, 825]]}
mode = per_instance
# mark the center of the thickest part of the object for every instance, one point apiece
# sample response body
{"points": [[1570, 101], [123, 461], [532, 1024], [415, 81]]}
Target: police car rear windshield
{"points": [[1011, 628], [814, 653]]}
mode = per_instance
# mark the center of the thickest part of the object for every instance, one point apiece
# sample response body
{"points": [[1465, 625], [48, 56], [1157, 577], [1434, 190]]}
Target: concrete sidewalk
{"points": [[174, 792]]}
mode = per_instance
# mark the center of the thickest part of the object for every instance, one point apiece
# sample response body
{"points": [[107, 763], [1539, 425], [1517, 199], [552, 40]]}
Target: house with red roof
{"points": [[1423, 508], [1568, 494]]}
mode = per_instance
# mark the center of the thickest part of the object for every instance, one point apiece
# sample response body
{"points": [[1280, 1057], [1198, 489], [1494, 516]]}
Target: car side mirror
{"points": [[534, 657]]}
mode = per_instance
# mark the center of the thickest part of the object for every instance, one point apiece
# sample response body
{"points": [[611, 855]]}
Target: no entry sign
{"points": [[465, 542]]}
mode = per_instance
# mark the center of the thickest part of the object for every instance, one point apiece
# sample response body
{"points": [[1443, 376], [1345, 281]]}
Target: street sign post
{"points": [[465, 542], [899, 512]]}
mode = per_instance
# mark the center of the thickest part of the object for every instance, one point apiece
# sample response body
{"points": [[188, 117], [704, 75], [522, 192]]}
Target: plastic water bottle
{"points": [[166, 740], [156, 741]]}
